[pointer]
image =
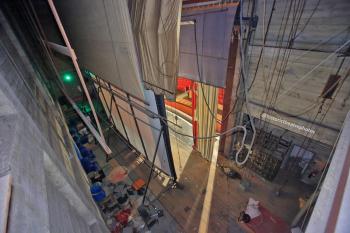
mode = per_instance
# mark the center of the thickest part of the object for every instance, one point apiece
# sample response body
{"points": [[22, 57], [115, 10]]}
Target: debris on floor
{"points": [[117, 174], [230, 173], [256, 218], [121, 203]]}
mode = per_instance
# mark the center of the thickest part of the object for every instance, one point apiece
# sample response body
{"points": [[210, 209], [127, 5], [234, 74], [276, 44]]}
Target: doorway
{"points": [[188, 111]]}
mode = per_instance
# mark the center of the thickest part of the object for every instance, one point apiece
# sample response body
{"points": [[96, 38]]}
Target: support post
{"points": [[137, 126], [162, 111], [118, 111], [76, 65], [152, 166], [231, 87], [194, 106], [109, 108]]}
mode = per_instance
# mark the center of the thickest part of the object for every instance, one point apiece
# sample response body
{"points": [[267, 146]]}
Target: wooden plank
{"points": [[5, 195]]}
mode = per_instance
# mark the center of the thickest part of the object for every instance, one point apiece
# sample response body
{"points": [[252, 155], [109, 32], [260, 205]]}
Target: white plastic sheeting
{"points": [[149, 134], [156, 26], [101, 35]]}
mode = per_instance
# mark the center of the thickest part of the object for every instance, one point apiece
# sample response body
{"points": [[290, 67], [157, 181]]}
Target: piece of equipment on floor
{"points": [[117, 174], [261, 220], [121, 205], [97, 192], [138, 184], [230, 173], [150, 214]]}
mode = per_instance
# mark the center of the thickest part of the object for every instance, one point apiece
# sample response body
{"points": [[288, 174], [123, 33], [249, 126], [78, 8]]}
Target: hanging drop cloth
{"points": [[156, 27], [205, 36], [101, 35], [206, 122]]}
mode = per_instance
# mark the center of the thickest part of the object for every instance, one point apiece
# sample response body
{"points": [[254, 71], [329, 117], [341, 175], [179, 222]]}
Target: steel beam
{"points": [[120, 116], [76, 65], [137, 127], [152, 166]]}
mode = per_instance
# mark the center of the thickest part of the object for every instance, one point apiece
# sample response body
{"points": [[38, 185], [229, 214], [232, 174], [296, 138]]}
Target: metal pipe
{"points": [[76, 65], [128, 100], [152, 167], [139, 107], [137, 127], [151, 84], [131, 102], [125, 110], [120, 116], [129, 145], [111, 119], [104, 101], [120, 89], [91, 128], [162, 110], [110, 112]]}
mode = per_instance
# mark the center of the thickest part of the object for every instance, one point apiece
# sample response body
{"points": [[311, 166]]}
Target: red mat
{"points": [[267, 223]]}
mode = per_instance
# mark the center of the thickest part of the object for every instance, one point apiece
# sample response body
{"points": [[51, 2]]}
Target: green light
{"points": [[67, 78], [87, 108]]}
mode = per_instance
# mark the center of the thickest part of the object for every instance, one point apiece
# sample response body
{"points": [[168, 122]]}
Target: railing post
{"points": [[137, 126]]}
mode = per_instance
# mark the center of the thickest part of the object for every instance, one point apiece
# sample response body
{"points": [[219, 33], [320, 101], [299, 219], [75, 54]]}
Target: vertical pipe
{"points": [[110, 105], [231, 86], [76, 65], [162, 111], [137, 125], [118, 111], [152, 167], [104, 100], [194, 122]]}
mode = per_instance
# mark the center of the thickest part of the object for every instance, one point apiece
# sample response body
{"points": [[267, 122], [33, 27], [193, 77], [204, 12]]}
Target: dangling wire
{"points": [[244, 78]]}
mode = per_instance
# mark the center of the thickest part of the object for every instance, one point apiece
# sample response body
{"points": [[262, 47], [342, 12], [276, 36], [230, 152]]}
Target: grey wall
{"points": [[296, 95], [49, 184]]}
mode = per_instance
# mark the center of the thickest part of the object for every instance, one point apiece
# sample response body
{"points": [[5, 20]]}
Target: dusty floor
{"points": [[194, 208], [228, 198], [166, 224]]}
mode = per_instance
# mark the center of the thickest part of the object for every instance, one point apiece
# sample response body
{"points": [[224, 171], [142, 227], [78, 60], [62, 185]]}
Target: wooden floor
{"points": [[227, 198]]}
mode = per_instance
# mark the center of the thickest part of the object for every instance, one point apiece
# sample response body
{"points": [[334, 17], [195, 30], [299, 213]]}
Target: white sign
{"points": [[290, 124]]}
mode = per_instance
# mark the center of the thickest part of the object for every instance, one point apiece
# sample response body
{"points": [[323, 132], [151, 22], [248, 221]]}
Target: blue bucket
{"points": [[98, 194]]}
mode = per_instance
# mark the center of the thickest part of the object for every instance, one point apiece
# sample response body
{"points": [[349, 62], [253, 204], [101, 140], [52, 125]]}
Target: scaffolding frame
{"points": [[128, 98]]}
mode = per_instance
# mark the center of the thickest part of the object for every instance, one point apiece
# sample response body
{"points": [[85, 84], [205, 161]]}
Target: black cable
{"points": [[272, 70], [313, 106], [289, 48], [264, 41], [308, 20], [308, 139], [199, 74], [287, 51], [284, 56], [346, 75]]}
